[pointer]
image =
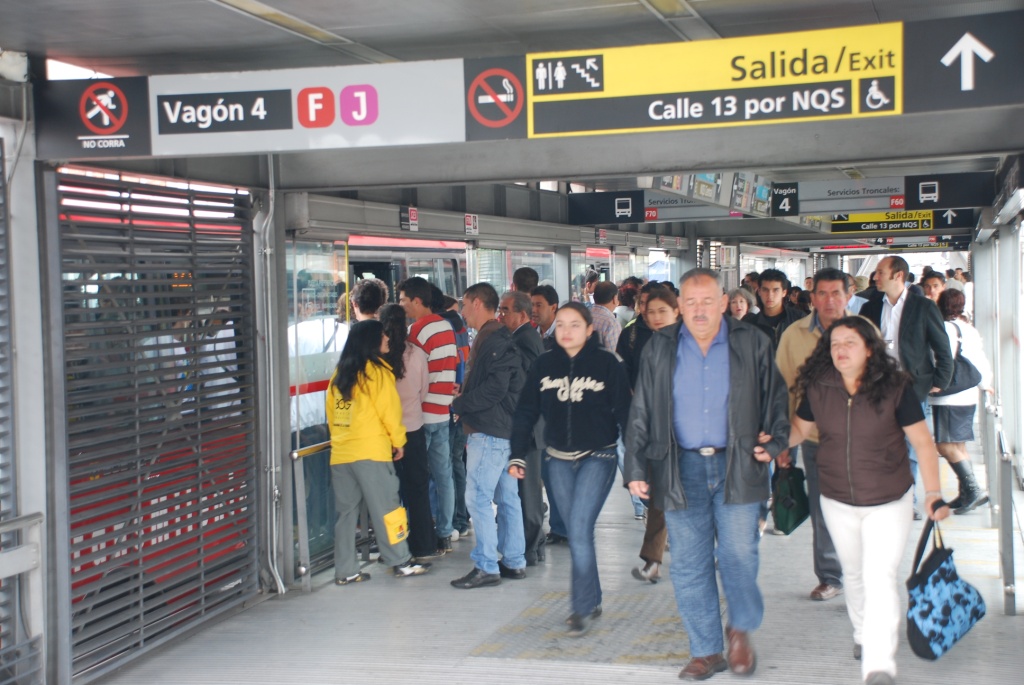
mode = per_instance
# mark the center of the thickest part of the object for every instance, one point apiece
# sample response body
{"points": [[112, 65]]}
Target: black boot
{"points": [[971, 494]]}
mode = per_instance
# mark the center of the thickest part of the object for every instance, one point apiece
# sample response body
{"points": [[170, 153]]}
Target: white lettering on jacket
{"points": [[573, 392]]}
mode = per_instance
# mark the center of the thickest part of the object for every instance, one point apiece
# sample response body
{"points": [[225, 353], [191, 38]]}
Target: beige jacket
{"points": [[795, 346]]}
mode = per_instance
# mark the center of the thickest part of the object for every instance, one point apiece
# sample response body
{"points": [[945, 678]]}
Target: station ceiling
{"points": [[128, 37]]}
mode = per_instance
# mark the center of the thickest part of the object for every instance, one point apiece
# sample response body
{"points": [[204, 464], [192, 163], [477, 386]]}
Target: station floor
{"points": [[421, 630]]}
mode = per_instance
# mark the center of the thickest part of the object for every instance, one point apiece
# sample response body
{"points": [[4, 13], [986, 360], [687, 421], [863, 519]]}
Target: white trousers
{"points": [[870, 542]]}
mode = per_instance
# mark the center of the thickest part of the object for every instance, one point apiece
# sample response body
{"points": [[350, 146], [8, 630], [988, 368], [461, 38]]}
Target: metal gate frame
{"points": [[20, 652], [206, 569]]}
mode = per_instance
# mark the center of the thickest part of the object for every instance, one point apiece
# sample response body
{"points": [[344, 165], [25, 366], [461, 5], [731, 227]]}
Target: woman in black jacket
{"points": [[583, 393]]}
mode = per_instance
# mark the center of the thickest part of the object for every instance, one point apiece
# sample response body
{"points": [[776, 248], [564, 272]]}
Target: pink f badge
{"points": [[359, 105]]}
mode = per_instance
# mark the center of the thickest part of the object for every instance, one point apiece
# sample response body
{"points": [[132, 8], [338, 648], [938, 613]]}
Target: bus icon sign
{"points": [[623, 206], [928, 191]]}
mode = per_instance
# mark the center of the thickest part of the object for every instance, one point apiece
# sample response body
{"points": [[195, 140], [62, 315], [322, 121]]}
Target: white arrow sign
{"points": [[592, 63], [949, 215], [965, 49]]}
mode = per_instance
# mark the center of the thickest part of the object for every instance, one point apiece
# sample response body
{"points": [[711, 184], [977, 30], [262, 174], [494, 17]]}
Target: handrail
{"points": [[309, 450], [20, 522]]}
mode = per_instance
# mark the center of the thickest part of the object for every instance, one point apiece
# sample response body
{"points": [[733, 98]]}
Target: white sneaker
{"points": [[455, 535], [649, 572], [410, 568]]}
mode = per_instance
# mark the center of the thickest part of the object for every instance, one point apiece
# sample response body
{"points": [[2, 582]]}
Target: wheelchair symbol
{"points": [[876, 99]]}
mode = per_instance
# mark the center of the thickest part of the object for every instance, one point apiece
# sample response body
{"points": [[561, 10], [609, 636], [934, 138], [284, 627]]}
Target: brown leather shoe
{"points": [[703, 667], [825, 592], [742, 660]]}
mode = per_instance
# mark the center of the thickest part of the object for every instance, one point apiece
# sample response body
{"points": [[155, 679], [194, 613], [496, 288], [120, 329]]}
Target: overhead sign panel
{"points": [[914, 220], [495, 98], [668, 207], [620, 207], [92, 118], [964, 63], [843, 73], [410, 103], [835, 73], [841, 196], [936, 242], [974, 189]]}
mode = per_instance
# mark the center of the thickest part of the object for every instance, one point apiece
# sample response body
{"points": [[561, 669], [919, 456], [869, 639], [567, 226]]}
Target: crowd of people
{"points": [[694, 394]]}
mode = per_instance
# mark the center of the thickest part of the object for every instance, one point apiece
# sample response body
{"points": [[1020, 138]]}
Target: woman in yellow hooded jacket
{"points": [[364, 413]]}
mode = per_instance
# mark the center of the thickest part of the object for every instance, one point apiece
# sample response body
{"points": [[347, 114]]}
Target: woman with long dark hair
{"points": [[582, 391], [865, 411], [409, 363], [953, 415], [661, 310], [364, 413]]}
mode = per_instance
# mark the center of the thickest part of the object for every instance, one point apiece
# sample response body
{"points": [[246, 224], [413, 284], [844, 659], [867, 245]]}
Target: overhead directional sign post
{"points": [[945, 243], [640, 206], [917, 220], [963, 63], [880, 70], [667, 207], [939, 191], [308, 109], [785, 199], [835, 73]]}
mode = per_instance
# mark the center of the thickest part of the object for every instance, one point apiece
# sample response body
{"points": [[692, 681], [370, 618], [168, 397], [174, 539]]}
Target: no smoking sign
{"points": [[495, 98], [508, 102]]}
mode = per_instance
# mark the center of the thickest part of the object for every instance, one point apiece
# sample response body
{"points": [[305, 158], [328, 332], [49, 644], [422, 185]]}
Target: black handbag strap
{"points": [[930, 526], [959, 340]]}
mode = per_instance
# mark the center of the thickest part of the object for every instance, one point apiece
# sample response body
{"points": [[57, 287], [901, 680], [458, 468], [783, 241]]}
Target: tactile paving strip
{"points": [[640, 628]]}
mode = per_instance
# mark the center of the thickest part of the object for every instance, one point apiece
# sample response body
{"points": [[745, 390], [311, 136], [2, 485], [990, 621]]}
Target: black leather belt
{"points": [[709, 451]]}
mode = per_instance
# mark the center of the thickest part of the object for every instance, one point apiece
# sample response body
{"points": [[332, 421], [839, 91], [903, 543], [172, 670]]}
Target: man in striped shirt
{"points": [[437, 338]]}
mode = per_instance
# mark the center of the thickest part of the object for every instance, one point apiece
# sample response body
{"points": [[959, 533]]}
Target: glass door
{"points": [[318, 315]]}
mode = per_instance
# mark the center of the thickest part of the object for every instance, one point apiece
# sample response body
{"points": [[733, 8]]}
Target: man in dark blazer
{"points": [[912, 327], [514, 312]]}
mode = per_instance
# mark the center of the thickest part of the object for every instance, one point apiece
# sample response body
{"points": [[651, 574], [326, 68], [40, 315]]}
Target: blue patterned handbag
{"points": [[942, 607]]}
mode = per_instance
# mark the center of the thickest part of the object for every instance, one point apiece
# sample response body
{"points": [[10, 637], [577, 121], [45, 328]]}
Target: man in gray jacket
{"points": [[710, 409]]}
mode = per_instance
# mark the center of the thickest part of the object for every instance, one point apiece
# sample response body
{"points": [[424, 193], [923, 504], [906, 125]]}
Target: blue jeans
{"points": [[580, 488], [555, 521], [487, 481], [692, 532], [458, 446], [638, 504], [439, 459], [927, 409]]}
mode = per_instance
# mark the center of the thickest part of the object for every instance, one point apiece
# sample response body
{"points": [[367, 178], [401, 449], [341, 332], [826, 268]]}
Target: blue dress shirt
{"points": [[700, 391]]}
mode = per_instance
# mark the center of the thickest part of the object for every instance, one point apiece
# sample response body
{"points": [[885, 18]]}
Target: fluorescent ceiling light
{"points": [[303, 29]]}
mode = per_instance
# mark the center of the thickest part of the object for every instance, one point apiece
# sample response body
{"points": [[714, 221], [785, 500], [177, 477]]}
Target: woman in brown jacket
{"points": [[866, 411]]}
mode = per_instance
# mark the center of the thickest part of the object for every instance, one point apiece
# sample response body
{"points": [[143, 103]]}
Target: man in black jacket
{"points": [[485, 406], [545, 306], [709, 409], [776, 315], [514, 312], [912, 328]]}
